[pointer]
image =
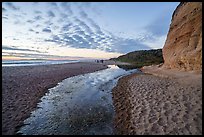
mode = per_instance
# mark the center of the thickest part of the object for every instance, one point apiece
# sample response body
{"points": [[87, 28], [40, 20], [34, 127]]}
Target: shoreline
{"points": [[158, 102], [23, 86], [139, 108]]}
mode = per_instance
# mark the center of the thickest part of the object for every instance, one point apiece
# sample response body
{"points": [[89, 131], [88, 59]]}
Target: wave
{"points": [[35, 62]]}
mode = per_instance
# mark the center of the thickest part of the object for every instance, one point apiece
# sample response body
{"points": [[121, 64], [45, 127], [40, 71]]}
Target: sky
{"points": [[76, 30]]}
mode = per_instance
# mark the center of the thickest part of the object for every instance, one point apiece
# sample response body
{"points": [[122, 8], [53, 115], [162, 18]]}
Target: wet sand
{"points": [[159, 102], [23, 86]]}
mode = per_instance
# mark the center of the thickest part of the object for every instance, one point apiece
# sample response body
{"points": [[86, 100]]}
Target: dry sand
{"points": [[167, 102], [22, 87]]}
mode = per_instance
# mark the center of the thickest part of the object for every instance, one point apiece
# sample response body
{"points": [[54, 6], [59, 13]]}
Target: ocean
{"points": [[6, 63]]}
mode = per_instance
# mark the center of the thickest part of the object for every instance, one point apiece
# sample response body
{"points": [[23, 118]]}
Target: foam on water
{"points": [[9, 63]]}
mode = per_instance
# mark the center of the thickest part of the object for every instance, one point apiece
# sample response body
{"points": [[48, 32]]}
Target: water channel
{"points": [[79, 105]]}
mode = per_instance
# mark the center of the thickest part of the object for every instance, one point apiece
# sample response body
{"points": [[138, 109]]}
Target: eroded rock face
{"points": [[183, 47]]}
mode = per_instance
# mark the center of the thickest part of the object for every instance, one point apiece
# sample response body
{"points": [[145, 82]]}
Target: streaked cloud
{"points": [[12, 6], [30, 21], [38, 17], [4, 9], [19, 49], [51, 14], [4, 17], [31, 30], [37, 12], [48, 30], [159, 26], [66, 7]]}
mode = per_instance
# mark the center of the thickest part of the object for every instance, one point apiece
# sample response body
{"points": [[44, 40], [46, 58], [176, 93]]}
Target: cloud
{"points": [[37, 26], [17, 22], [156, 42], [56, 27], [69, 40], [110, 43], [156, 32], [4, 9], [4, 17], [48, 30], [80, 34], [83, 25], [66, 27], [51, 14], [55, 39], [37, 12], [30, 21], [120, 45], [19, 49], [38, 17], [63, 15], [85, 5], [159, 26], [77, 38], [15, 39], [60, 20], [145, 36], [37, 56], [66, 8], [83, 14], [54, 5], [12, 6], [91, 7], [79, 30], [31, 30], [96, 27]]}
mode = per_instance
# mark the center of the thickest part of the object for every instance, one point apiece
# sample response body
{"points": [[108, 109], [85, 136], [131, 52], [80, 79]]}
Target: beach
{"points": [[159, 102], [23, 86], [80, 73]]}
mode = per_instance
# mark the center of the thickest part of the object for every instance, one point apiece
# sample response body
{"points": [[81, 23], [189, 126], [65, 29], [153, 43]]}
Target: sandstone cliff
{"points": [[183, 46]]}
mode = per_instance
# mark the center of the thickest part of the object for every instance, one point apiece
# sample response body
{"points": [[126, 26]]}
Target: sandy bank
{"points": [[167, 102]]}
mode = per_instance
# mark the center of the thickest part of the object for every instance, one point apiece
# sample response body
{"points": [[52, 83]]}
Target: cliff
{"points": [[183, 46]]}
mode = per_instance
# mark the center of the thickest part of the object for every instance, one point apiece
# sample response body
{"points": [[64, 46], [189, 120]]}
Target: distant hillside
{"points": [[142, 57]]}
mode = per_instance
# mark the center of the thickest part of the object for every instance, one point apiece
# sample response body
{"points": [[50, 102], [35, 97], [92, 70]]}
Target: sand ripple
{"points": [[148, 104]]}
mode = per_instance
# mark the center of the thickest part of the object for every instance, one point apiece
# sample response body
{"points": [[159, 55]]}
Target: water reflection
{"points": [[127, 67], [78, 105]]}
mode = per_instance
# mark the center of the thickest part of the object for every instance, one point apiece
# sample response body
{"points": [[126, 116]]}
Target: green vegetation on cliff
{"points": [[142, 57]]}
